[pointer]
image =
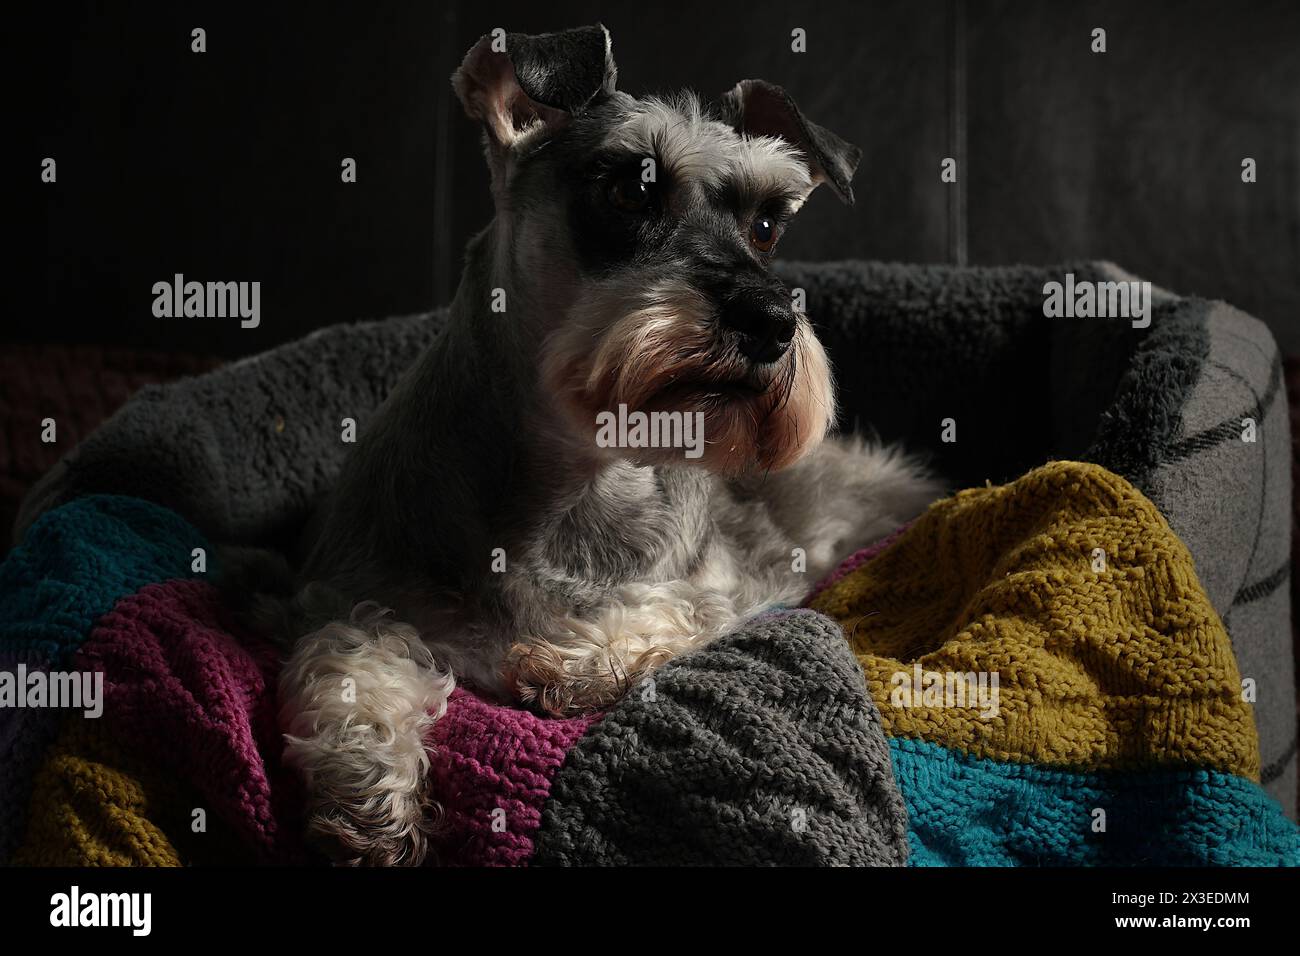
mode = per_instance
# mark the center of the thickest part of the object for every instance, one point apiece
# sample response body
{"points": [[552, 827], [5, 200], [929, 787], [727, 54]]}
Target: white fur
{"points": [[358, 701], [695, 148]]}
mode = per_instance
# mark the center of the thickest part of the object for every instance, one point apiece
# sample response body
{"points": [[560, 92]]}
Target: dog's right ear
{"points": [[759, 108], [516, 84]]}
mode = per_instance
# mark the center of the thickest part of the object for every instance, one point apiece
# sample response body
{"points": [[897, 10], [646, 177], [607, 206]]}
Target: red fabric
{"points": [[492, 772], [78, 386]]}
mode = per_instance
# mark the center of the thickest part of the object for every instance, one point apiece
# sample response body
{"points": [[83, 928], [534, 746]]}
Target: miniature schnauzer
{"points": [[482, 531]]}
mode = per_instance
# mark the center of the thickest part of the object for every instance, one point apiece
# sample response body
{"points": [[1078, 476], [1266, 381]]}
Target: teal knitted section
{"points": [[71, 568], [75, 563], [970, 811]]}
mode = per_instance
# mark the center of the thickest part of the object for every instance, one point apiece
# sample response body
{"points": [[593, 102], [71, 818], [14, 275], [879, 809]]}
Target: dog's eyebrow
{"points": [[742, 193], [607, 160], [685, 145]]}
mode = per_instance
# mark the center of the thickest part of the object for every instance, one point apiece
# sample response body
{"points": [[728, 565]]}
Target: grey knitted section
{"points": [[762, 748]]}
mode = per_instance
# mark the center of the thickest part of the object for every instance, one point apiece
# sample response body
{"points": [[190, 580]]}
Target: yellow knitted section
{"points": [[86, 812], [1123, 666]]}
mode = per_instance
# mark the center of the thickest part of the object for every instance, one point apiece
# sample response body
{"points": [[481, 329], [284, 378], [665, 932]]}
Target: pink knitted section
{"points": [[188, 695], [492, 772], [855, 561], [188, 692]]}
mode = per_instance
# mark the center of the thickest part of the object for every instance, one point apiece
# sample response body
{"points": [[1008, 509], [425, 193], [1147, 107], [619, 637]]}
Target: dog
{"points": [[490, 527]]}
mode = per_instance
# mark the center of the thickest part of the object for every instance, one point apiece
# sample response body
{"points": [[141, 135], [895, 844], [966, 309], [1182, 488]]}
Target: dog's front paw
{"points": [[358, 701], [542, 678], [566, 682], [390, 829]]}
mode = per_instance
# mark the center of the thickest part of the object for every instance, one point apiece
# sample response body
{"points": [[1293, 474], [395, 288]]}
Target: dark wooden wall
{"points": [[225, 165]]}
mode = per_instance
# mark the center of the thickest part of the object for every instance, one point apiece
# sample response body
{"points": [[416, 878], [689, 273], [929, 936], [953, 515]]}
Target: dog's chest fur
{"points": [[630, 523]]}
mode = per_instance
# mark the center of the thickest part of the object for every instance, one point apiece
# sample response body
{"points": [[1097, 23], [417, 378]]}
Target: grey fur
{"points": [[615, 561]]}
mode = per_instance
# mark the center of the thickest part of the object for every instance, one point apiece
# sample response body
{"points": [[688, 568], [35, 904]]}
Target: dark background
{"points": [[225, 165]]}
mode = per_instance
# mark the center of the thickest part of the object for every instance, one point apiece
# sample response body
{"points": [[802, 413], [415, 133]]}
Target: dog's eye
{"points": [[630, 194], [763, 234]]}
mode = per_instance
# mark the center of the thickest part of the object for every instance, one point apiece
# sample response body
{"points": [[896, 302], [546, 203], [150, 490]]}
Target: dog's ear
{"points": [[759, 108], [511, 81]]}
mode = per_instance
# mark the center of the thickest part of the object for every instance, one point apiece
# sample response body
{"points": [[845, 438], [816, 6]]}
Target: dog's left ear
{"points": [[509, 81], [759, 108]]}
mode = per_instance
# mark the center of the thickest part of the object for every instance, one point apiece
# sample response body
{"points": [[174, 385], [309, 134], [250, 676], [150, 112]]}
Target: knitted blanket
{"points": [[1117, 735], [761, 749], [1118, 730]]}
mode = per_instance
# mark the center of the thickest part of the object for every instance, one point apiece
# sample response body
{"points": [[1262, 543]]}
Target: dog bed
{"points": [[801, 773]]}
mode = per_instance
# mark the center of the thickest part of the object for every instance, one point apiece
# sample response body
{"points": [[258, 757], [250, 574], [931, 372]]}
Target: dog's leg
{"points": [[358, 699], [587, 662]]}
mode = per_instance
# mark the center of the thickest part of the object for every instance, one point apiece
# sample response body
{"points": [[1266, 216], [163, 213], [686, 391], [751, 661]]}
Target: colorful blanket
{"points": [[762, 749], [1118, 729], [1118, 733]]}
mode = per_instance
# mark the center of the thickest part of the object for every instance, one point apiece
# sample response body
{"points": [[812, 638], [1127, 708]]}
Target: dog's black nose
{"points": [[766, 325]]}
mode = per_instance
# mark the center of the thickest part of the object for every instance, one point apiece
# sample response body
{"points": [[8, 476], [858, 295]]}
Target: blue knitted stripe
{"points": [[77, 561], [72, 567], [969, 811]]}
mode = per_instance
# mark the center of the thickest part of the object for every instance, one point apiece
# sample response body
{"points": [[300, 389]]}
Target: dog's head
{"points": [[638, 235]]}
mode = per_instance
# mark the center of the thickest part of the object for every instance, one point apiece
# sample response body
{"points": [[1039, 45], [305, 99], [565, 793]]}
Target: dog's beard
{"points": [[661, 352]]}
